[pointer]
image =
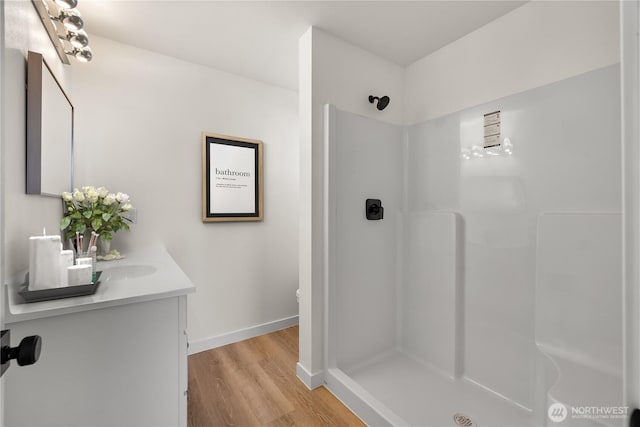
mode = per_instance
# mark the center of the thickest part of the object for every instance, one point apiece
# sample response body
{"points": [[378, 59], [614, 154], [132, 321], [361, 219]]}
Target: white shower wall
{"points": [[452, 277], [432, 311], [566, 159], [366, 164]]}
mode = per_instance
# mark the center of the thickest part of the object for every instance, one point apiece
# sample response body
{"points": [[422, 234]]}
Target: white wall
{"points": [[536, 44], [25, 215], [139, 118], [331, 72]]}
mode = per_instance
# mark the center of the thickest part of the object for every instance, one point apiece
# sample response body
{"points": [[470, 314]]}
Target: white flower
{"points": [[102, 192], [66, 196], [122, 198], [78, 195], [91, 194], [88, 189], [126, 207], [109, 199]]}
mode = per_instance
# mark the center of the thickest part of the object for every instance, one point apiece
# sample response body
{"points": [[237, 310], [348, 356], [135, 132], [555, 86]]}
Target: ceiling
{"points": [[259, 39]]}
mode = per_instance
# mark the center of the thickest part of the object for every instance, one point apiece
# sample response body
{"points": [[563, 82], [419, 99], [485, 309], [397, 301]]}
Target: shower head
{"points": [[382, 102]]}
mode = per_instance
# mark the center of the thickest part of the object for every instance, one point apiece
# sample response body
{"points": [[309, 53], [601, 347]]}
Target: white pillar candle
{"points": [[79, 275], [44, 262], [66, 260]]}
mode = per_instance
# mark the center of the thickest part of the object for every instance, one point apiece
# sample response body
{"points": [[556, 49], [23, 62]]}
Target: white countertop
{"points": [[145, 274]]}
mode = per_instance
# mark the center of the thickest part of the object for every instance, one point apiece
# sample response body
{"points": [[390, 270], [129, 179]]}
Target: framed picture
{"points": [[231, 178]]}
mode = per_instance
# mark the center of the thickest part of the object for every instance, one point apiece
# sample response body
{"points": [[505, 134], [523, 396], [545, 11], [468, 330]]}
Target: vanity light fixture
{"points": [[64, 25]]}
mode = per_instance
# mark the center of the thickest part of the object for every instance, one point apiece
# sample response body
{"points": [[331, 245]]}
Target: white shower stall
{"points": [[492, 288]]}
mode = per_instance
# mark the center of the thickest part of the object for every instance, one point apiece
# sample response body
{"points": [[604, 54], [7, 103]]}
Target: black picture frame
{"points": [[232, 178]]}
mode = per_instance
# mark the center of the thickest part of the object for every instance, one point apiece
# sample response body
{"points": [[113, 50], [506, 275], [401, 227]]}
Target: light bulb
{"points": [[67, 4], [84, 55], [78, 40], [72, 20]]}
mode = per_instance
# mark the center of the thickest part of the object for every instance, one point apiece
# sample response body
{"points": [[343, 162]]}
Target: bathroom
{"points": [[141, 105]]}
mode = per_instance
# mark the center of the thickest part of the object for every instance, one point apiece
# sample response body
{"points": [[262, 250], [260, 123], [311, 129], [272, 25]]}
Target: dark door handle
{"points": [[26, 353]]}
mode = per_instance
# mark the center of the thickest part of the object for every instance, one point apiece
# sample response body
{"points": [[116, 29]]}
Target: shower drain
{"points": [[462, 420]]}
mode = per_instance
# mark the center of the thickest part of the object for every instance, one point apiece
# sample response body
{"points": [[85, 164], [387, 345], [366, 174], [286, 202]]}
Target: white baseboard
{"points": [[310, 380], [205, 344]]}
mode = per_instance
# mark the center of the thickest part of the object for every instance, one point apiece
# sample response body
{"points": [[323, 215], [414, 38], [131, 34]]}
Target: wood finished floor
{"points": [[254, 383]]}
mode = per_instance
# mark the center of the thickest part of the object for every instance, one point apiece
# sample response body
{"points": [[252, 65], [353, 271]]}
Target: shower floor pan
{"points": [[404, 392]]}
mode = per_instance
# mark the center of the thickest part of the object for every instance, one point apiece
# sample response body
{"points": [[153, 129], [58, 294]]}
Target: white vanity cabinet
{"points": [[116, 358]]}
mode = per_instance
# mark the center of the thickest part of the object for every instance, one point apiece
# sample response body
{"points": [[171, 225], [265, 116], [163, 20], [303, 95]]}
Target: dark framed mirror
{"points": [[49, 131]]}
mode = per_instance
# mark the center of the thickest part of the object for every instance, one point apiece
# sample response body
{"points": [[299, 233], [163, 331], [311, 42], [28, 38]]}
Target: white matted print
{"points": [[232, 178]]}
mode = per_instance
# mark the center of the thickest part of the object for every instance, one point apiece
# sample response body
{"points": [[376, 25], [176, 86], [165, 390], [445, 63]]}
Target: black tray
{"points": [[57, 293]]}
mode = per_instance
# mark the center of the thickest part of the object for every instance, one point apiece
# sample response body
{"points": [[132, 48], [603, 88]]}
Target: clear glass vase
{"points": [[104, 246]]}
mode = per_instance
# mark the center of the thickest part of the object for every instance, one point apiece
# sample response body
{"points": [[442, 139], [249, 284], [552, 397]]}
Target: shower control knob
{"points": [[373, 209]]}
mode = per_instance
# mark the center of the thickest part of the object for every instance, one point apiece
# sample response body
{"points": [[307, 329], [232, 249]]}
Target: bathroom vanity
{"points": [[118, 357]]}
